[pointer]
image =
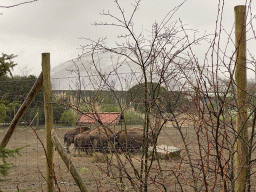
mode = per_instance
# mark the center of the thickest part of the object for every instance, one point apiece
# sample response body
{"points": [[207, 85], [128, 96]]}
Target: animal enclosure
{"points": [[29, 169], [174, 98]]}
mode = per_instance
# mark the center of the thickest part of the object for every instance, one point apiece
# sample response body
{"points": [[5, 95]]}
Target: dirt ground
{"points": [[29, 171]]}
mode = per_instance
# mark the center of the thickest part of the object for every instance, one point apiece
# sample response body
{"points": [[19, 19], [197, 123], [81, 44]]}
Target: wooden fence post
{"points": [[241, 164], [68, 163], [48, 112]]}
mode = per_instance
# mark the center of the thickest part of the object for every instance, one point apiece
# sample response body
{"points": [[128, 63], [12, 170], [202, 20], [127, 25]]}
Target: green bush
{"points": [[110, 108], [67, 118], [133, 118], [58, 110], [136, 95]]}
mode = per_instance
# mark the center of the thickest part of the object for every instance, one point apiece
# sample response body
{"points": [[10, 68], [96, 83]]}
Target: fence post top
{"points": [[240, 7]]}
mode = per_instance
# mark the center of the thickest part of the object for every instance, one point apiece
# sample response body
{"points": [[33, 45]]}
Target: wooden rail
{"points": [[68, 162]]}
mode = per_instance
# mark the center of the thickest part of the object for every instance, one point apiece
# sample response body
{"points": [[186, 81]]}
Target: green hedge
{"points": [[67, 118]]}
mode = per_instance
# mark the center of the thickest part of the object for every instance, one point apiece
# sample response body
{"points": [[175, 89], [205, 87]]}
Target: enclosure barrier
{"points": [[241, 153], [22, 110], [48, 113], [44, 81], [68, 162]]}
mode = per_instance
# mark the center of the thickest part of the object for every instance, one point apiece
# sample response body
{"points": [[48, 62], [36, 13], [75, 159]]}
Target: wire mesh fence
{"points": [[172, 119], [28, 171], [178, 119]]}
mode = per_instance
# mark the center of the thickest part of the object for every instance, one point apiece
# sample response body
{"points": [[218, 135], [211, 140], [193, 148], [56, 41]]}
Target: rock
{"points": [[167, 152]]}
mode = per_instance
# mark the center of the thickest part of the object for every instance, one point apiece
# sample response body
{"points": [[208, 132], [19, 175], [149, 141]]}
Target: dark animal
{"points": [[69, 135], [82, 143], [100, 138], [93, 141], [131, 141]]}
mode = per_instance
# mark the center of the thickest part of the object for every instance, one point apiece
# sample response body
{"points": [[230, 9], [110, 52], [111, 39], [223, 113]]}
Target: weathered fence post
{"points": [[68, 163], [48, 112], [241, 164]]}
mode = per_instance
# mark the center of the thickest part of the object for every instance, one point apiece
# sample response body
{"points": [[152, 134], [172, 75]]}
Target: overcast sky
{"points": [[56, 26]]}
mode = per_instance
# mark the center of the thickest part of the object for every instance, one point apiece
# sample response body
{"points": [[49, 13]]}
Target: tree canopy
{"points": [[169, 101], [136, 94]]}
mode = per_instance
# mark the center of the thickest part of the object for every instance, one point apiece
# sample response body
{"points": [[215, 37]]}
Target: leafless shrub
{"points": [[174, 88]]}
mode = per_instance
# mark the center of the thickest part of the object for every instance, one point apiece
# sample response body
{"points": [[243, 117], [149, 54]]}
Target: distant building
{"points": [[111, 71], [108, 118]]}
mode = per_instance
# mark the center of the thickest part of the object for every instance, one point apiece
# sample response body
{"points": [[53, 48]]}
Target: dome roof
{"points": [[102, 71]]}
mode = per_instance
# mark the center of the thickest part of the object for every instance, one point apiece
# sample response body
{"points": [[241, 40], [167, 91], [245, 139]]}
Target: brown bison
{"points": [[82, 142], [69, 135], [131, 140], [96, 140], [99, 139]]}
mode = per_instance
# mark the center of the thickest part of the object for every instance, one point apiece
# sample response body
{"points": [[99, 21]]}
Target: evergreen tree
{"points": [[6, 64], [5, 153]]}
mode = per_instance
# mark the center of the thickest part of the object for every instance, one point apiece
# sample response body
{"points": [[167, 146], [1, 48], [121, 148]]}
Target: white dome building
{"points": [[107, 70]]}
